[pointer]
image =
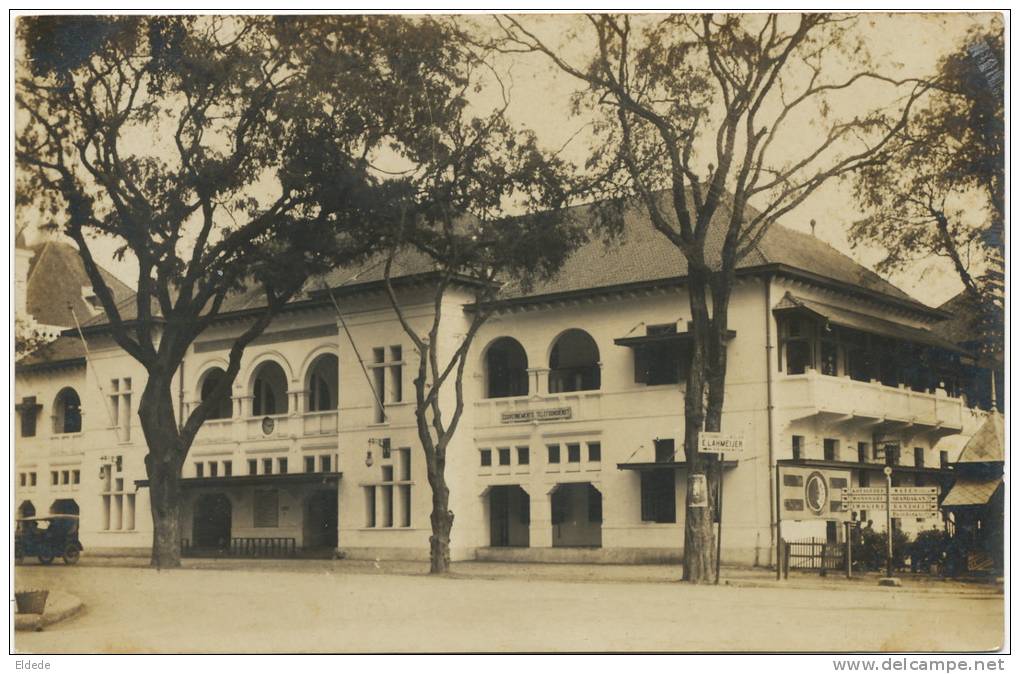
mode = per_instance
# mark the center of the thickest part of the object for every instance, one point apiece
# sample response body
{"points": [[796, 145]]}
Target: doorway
{"points": [[211, 523], [321, 520], [577, 516], [509, 517]]}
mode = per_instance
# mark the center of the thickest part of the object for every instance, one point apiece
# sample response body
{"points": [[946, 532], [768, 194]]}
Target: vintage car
{"points": [[47, 538]]}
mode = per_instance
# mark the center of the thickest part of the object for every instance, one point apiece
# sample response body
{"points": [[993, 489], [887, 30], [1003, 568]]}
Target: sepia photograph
{"points": [[500, 332]]}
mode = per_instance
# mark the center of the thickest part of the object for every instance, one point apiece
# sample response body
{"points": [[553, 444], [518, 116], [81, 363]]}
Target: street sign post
{"points": [[905, 501], [710, 442]]}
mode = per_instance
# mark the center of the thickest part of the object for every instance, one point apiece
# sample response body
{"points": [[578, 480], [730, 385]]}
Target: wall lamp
{"points": [[384, 443]]}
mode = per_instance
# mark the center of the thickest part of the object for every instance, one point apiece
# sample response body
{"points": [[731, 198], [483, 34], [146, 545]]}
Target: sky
{"points": [[908, 44]]}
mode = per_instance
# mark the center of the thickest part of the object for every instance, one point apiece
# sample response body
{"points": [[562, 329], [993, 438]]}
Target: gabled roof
{"points": [[988, 445], [56, 276]]}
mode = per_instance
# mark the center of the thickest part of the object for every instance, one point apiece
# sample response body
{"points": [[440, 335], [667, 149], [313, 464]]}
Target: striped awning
{"points": [[971, 492]]}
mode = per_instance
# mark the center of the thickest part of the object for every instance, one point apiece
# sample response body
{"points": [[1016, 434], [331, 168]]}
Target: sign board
{"points": [[529, 416], [697, 487], [720, 443], [905, 500], [808, 493]]}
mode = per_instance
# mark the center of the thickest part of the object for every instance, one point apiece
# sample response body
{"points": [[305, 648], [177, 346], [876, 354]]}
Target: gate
{"points": [[815, 554]]}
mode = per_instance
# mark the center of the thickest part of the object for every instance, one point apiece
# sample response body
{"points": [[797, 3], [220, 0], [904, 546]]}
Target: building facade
{"points": [[570, 447]]}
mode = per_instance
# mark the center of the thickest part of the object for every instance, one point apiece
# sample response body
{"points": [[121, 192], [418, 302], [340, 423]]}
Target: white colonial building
{"points": [[571, 443]]}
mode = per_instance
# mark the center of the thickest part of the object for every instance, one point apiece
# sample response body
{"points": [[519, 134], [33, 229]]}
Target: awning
{"points": [[257, 480], [971, 492], [658, 465], [668, 338], [865, 322]]}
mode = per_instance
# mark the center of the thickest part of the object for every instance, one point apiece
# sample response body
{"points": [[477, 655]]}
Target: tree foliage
{"points": [[939, 187], [224, 154]]}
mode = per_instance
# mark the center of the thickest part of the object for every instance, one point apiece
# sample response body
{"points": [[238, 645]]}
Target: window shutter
{"points": [[641, 361], [647, 508]]}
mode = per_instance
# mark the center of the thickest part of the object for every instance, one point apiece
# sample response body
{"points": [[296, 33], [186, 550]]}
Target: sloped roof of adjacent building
{"points": [[63, 350], [988, 445], [56, 276]]}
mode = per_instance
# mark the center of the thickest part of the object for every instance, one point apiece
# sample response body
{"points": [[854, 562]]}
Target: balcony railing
{"points": [[275, 426], [822, 394]]}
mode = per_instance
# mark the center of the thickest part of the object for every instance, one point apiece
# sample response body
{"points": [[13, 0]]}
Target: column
{"points": [[541, 516]]}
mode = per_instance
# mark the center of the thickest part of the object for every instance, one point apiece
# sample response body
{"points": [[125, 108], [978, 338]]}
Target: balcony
{"points": [[320, 423], [841, 399], [277, 426], [65, 444]]}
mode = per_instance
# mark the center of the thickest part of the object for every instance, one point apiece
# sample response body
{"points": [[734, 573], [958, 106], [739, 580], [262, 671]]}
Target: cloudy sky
{"points": [[903, 44]]}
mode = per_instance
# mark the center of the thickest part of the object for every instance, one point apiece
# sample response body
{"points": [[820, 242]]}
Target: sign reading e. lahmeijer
{"points": [[527, 416], [724, 443]]}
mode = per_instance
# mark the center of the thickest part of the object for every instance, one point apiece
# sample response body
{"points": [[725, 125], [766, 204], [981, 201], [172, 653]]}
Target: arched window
{"points": [[26, 509], [506, 369], [67, 412], [323, 384], [222, 408], [574, 363], [269, 390]]}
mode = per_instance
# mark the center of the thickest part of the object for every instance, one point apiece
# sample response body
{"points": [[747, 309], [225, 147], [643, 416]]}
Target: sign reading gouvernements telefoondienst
{"points": [[720, 443], [528, 416]]}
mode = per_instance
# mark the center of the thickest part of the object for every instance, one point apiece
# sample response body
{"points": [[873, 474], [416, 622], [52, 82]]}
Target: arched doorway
{"points": [[211, 522], [506, 369], [64, 506], [67, 412], [269, 390], [321, 520], [574, 363], [223, 408], [323, 384], [26, 509], [509, 517]]}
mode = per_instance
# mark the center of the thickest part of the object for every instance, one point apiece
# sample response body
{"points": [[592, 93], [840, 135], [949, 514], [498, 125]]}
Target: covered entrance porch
{"points": [[284, 515]]}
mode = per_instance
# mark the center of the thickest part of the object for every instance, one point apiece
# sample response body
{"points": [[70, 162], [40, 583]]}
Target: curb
{"points": [[63, 606]]}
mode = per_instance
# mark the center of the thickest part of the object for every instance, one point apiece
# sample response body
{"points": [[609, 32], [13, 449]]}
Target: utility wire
{"points": [[350, 337], [90, 365]]}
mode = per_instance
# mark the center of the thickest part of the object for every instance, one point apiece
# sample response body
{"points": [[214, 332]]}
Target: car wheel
{"points": [[72, 555], [45, 559]]}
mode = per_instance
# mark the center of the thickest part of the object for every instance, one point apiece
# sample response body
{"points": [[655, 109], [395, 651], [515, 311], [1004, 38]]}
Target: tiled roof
{"points": [[56, 276], [639, 255], [866, 322], [960, 328], [643, 254], [988, 444], [971, 491], [60, 350]]}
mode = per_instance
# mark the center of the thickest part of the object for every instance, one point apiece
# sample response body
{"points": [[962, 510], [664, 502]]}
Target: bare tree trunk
{"points": [[163, 466], [442, 525], [165, 498], [699, 538]]}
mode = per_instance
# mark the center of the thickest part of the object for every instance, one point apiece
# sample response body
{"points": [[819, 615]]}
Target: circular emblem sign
{"points": [[816, 493], [268, 425]]}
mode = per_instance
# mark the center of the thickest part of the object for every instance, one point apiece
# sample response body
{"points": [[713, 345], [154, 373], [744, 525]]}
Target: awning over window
{"points": [[864, 322], [668, 338], [971, 492], [658, 465], [255, 480]]}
